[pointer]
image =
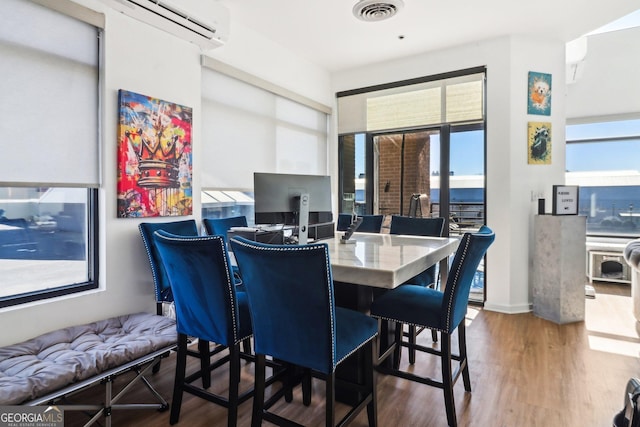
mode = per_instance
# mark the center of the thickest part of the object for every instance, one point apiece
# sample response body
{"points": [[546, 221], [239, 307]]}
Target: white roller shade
{"points": [[457, 99], [49, 101], [248, 129]]}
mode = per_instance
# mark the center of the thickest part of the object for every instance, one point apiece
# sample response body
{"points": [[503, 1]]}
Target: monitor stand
{"points": [[303, 219]]}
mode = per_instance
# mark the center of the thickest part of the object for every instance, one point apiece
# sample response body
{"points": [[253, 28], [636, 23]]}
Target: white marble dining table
{"points": [[386, 260], [372, 264]]}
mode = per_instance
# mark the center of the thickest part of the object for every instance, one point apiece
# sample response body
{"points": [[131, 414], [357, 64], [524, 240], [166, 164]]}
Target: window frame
{"points": [[624, 234], [92, 263], [97, 20]]}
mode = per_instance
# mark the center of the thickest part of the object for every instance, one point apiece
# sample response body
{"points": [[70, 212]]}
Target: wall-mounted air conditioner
{"points": [[203, 22]]}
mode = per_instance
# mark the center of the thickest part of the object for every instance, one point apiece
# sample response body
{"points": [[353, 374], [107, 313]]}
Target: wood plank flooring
{"points": [[525, 371]]}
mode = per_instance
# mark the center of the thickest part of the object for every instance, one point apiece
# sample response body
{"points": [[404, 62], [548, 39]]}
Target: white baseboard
{"points": [[509, 309]]}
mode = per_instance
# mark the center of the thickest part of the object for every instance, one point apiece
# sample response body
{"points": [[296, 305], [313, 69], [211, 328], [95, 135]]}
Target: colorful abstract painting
{"points": [[539, 99], [539, 143], [154, 157]]}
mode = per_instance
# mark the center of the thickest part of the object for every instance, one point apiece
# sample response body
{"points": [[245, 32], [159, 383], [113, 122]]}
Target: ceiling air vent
{"points": [[375, 10]]}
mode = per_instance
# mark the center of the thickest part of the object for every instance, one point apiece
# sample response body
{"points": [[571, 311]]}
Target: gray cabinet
{"points": [[559, 276]]}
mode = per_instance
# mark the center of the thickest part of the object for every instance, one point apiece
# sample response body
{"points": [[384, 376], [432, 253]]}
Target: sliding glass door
{"points": [[402, 172], [466, 204], [416, 148], [435, 172]]}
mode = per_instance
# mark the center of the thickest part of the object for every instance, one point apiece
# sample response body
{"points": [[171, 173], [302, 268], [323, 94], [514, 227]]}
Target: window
{"points": [[417, 148], [405, 139], [252, 126], [49, 169], [227, 203], [602, 158], [46, 248]]}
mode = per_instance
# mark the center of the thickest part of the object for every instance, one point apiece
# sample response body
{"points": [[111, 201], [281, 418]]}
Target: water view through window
{"points": [[602, 158]]}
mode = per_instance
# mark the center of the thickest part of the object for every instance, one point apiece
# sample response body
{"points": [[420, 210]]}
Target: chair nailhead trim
{"points": [[154, 274], [230, 282], [407, 323], [454, 282], [296, 248]]}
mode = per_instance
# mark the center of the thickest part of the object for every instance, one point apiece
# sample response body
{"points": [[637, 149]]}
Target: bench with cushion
{"points": [[53, 366]]}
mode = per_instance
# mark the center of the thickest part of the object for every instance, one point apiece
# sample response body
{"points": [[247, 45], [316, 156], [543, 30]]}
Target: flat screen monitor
{"points": [[277, 198]]}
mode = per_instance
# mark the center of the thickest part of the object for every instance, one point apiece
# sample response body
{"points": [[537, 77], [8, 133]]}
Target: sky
{"points": [[467, 151], [629, 21], [610, 155]]}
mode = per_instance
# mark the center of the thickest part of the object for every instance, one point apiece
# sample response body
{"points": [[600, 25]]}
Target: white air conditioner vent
{"points": [[203, 22]]}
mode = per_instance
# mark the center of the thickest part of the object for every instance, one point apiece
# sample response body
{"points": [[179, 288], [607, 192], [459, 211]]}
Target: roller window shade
{"points": [[457, 99], [49, 104], [247, 129]]}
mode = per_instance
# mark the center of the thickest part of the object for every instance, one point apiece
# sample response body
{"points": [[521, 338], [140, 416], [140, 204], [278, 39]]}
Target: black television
{"points": [[278, 196]]}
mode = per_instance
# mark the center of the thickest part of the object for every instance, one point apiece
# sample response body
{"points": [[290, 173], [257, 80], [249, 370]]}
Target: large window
{"points": [[416, 148], [404, 146], [252, 126], [602, 158], [49, 168]]}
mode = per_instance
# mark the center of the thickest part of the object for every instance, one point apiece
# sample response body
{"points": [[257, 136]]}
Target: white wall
{"points": [[609, 84], [510, 179], [263, 58], [143, 59]]}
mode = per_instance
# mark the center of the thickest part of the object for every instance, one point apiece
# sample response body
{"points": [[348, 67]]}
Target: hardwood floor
{"points": [[525, 371]]}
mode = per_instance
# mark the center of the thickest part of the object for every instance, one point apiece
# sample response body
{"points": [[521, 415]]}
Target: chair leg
{"points": [[258, 396], [413, 335], [205, 363], [246, 346], [370, 382], [464, 362], [447, 378], [413, 338], [306, 387], [397, 353], [289, 381], [234, 384], [181, 366], [330, 417]]}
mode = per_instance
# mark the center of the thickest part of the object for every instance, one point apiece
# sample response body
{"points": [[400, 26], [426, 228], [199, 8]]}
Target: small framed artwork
{"points": [[539, 99], [565, 200], [539, 143]]}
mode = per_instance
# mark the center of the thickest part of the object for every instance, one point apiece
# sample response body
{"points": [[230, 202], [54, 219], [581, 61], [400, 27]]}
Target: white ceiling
{"points": [[327, 34]]}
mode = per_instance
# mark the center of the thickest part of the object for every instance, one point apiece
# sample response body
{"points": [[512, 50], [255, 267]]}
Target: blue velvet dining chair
{"points": [[371, 223], [443, 311], [221, 226], [413, 226], [162, 287], [160, 280], [344, 221], [291, 299], [208, 308]]}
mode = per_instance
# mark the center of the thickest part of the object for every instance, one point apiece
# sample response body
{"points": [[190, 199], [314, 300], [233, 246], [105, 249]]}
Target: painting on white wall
{"points": [[539, 143], [539, 99], [154, 157]]}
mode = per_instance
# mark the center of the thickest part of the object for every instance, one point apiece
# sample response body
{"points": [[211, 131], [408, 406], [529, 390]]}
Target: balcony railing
{"points": [[462, 215]]}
